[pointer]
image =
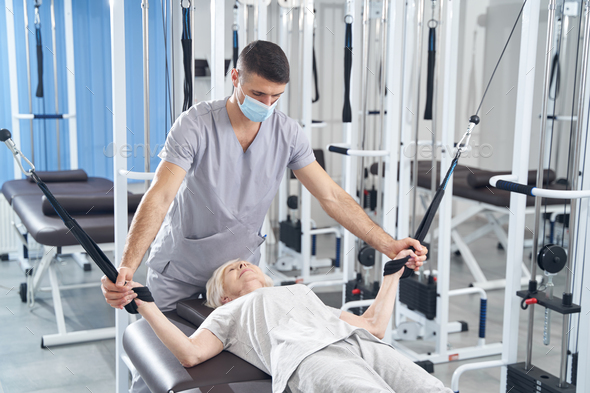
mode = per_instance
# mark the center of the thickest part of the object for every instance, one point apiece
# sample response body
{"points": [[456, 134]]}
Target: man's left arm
{"points": [[343, 208]]}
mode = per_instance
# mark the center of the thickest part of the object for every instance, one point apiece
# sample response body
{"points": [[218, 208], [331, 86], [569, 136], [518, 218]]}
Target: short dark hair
{"points": [[266, 60]]}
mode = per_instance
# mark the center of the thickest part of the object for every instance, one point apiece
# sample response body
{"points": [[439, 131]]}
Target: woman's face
{"points": [[241, 278]]}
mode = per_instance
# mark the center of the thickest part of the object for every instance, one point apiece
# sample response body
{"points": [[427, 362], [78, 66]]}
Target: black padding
{"points": [[193, 310], [319, 157], [514, 187], [480, 178], [347, 110], [90, 204], [15, 188], [430, 74], [51, 231], [338, 149], [163, 373], [61, 176], [374, 167], [489, 195]]}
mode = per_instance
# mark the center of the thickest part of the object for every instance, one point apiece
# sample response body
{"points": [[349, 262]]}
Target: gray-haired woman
{"points": [[289, 333]]}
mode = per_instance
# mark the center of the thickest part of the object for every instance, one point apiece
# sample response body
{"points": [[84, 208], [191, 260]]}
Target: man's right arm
{"points": [[144, 228]]}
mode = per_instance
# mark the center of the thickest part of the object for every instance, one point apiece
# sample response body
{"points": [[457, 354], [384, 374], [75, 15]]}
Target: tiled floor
{"points": [[90, 367]]}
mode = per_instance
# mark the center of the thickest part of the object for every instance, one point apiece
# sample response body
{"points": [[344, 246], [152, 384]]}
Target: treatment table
{"points": [[89, 200]]}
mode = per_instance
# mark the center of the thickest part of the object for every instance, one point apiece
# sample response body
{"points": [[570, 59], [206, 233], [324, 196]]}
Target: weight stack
{"points": [[419, 296], [574, 368], [535, 380], [290, 234], [355, 290]]}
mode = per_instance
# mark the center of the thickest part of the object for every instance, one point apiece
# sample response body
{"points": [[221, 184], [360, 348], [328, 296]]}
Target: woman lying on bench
{"points": [[290, 334]]}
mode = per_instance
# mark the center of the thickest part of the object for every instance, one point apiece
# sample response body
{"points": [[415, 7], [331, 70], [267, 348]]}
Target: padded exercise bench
{"points": [[89, 200], [162, 372], [472, 185]]}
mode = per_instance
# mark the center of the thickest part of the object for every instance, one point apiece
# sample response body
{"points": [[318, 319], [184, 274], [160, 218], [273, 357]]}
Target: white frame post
{"points": [[392, 128], [13, 81], [71, 84], [306, 75], [119, 103], [450, 59], [217, 64], [520, 163]]}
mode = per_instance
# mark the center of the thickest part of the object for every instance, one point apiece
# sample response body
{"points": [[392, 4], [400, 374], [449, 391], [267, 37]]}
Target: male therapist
{"points": [[221, 167]]}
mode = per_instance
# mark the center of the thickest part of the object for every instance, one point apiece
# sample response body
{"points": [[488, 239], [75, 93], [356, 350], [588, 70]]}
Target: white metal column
{"points": [[522, 136], [217, 63], [262, 21], [306, 74], [449, 87], [579, 340], [119, 103], [71, 84], [394, 82], [12, 79], [403, 225]]}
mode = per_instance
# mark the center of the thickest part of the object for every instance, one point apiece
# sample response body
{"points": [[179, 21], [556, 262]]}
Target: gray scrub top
{"points": [[220, 206], [276, 328]]}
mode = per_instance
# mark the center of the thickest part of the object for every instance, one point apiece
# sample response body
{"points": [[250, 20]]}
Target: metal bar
{"points": [[82, 336], [418, 64], [364, 98], [384, 33], [574, 175], [217, 65], [13, 77], [306, 67], [57, 306], [522, 137], [540, 172], [56, 87], [146, 85], [28, 57], [71, 84], [451, 22], [117, 19]]}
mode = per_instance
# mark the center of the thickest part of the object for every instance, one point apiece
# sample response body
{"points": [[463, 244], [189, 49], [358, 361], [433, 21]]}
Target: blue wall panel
{"points": [[92, 73]]}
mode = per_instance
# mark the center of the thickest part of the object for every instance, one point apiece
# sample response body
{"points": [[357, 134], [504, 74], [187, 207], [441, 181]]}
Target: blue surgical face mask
{"points": [[255, 110]]}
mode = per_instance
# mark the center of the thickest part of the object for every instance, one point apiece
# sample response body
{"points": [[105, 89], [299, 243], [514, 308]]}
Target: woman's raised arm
{"points": [[189, 351]]}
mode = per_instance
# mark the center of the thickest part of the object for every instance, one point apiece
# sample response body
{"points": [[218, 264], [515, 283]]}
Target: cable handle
{"points": [[348, 17], [463, 144], [5, 137]]}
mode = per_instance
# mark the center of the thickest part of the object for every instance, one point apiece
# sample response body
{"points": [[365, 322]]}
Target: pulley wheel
{"points": [[366, 256], [293, 202], [552, 258]]}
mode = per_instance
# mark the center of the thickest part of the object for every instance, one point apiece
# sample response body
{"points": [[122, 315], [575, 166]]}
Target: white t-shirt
{"points": [[276, 328]]}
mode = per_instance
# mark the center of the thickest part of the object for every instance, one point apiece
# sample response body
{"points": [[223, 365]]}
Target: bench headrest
{"points": [[479, 179], [61, 176], [193, 310], [89, 204]]}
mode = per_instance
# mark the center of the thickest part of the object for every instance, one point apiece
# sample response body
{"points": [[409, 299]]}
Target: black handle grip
{"points": [[236, 49], [430, 77], [39, 92], [347, 109], [515, 187], [4, 135], [337, 149]]}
